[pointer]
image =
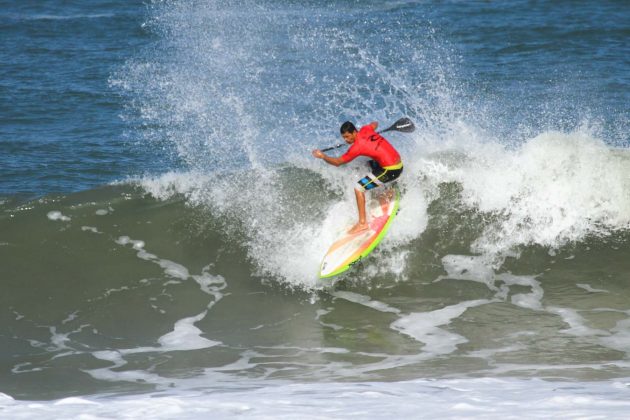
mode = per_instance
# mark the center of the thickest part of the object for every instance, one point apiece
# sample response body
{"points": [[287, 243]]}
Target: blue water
{"points": [[60, 123], [530, 66]]}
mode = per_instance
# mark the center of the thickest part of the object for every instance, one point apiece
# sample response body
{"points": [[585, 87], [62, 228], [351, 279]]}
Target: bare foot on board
{"points": [[358, 228]]}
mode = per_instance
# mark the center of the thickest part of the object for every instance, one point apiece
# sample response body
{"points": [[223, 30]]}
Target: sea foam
{"points": [[445, 399]]}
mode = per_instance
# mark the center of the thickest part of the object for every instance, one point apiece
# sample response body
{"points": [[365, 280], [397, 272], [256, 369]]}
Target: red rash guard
{"points": [[371, 144]]}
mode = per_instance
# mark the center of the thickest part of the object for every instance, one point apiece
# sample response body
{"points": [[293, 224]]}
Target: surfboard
{"points": [[352, 248]]}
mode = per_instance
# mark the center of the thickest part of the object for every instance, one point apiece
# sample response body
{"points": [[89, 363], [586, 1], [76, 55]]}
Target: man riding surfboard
{"points": [[385, 162]]}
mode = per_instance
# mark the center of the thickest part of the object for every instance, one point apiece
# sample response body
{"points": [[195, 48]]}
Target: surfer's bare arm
{"points": [[374, 125], [335, 161]]}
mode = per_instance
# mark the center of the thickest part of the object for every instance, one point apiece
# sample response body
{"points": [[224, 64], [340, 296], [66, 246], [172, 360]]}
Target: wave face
{"points": [[196, 271], [132, 288], [556, 191]]}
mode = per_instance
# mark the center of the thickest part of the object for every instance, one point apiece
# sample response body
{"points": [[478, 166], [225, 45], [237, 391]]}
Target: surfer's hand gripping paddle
{"points": [[404, 125]]}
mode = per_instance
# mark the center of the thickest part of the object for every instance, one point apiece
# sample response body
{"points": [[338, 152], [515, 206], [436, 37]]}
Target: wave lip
{"points": [[555, 189]]}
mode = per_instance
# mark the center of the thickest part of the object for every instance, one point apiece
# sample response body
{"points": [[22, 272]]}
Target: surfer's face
{"points": [[349, 137]]}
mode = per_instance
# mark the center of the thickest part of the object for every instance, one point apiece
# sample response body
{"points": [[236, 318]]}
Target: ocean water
{"points": [[162, 220]]}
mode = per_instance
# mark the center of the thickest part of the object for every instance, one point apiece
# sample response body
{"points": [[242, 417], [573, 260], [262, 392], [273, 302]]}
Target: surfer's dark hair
{"points": [[347, 127]]}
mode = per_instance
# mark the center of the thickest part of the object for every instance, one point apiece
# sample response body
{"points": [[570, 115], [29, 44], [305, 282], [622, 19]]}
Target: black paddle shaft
{"points": [[404, 125]]}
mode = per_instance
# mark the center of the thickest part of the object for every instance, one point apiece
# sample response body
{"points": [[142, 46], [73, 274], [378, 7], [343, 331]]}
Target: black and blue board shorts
{"points": [[379, 175]]}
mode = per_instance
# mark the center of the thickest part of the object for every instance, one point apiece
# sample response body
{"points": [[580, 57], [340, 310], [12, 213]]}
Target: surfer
{"points": [[385, 162]]}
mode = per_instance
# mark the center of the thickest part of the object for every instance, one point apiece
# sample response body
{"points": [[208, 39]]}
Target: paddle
{"points": [[404, 125]]}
